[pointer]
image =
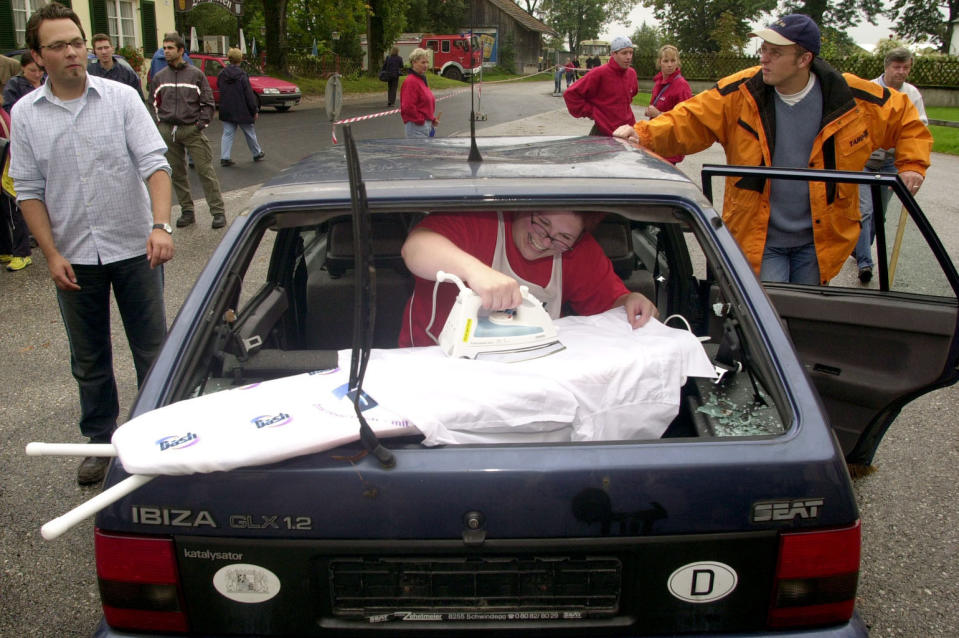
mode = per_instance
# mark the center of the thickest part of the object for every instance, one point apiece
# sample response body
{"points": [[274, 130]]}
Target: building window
{"points": [[121, 22], [22, 10]]}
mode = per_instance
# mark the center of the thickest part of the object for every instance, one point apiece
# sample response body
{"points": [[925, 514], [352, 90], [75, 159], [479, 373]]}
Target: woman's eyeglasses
{"points": [[540, 227]]}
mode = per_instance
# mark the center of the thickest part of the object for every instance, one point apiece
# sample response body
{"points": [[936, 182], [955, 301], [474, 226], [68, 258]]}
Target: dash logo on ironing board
{"points": [[271, 420], [177, 442]]}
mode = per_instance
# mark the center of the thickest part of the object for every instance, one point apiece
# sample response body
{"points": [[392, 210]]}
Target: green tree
{"points": [[925, 20], [579, 20], [529, 6], [212, 19], [431, 16], [274, 17], [310, 20], [887, 45], [295, 23], [646, 40], [837, 14], [388, 18], [692, 24], [838, 44], [727, 35]]}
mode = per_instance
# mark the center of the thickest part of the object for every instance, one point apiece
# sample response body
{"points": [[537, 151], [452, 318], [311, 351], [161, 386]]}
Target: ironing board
{"points": [[610, 383]]}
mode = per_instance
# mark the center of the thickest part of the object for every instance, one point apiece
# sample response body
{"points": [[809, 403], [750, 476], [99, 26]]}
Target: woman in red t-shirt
{"points": [[551, 252]]}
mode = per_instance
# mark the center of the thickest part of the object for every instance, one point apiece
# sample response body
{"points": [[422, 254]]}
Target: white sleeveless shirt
{"points": [[552, 294]]}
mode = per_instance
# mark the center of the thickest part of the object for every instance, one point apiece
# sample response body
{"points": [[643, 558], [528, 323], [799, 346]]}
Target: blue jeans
{"points": [[138, 290], [229, 130], [419, 130], [867, 234], [558, 82], [797, 265]]}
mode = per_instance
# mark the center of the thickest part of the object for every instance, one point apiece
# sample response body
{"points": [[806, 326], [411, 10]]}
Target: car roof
{"points": [[512, 167]]}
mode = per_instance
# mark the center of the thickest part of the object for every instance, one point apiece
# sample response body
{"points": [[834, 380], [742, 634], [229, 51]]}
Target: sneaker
{"points": [[5, 259], [865, 274], [219, 220], [92, 470], [19, 263], [257, 158], [186, 218], [227, 162]]}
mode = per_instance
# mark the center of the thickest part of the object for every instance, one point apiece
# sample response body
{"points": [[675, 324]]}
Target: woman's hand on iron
{"points": [[638, 308], [498, 291]]}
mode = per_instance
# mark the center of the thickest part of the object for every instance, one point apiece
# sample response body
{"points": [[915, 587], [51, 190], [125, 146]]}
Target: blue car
{"points": [[739, 519]]}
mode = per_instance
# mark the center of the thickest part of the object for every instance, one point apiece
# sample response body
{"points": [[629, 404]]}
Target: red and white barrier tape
{"points": [[360, 118], [480, 84]]}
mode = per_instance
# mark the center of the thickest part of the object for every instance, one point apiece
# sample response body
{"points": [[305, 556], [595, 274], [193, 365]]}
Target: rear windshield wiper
{"points": [[364, 297]]}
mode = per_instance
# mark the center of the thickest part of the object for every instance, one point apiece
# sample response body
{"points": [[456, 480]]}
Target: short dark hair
{"points": [[175, 38], [52, 11], [98, 37], [899, 54], [27, 58]]}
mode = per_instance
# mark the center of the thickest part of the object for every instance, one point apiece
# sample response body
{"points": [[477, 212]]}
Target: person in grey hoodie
{"points": [[238, 108]]}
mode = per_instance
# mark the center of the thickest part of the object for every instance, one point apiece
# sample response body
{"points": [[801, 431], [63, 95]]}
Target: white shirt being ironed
{"points": [[87, 160]]}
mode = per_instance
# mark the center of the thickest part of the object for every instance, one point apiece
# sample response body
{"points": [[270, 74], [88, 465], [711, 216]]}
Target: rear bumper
{"points": [[855, 628]]}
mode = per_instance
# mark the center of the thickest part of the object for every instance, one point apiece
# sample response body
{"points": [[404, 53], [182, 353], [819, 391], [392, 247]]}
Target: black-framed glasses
{"points": [[60, 45], [541, 228]]}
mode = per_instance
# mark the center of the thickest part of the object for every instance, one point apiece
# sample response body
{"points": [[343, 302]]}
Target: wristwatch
{"points": [[167, 227]]}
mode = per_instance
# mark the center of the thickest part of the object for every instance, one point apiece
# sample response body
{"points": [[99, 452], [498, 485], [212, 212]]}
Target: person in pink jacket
{"points": [[669, 87], [605, 94], [417, 104]]}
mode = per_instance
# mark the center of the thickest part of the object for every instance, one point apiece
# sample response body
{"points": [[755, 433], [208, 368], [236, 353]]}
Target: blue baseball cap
{"points": [[794, 28]]}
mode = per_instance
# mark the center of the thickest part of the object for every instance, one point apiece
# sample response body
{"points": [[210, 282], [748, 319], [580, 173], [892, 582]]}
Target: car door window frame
{"points": [[875, 181]]}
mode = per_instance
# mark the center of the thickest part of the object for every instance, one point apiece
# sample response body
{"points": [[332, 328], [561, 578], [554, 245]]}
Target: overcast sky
{"points": [[865, 35]]}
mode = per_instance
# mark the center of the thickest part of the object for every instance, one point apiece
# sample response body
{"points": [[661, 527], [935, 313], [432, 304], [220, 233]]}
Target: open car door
{"points": [[870, 350]]}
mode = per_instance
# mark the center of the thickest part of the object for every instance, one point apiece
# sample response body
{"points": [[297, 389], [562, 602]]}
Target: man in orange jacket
{"points": [[793, 231]]}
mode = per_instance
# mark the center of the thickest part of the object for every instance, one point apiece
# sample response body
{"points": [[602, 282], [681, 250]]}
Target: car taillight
{"points": [[139, 582], [816, 577]]}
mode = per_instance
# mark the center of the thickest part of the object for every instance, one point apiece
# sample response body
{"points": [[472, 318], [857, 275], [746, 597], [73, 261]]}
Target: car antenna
{"points": [[474, 155], [364, 297]]}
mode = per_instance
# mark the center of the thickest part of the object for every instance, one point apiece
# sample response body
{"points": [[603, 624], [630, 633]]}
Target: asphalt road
{"points": [[909, 582]]}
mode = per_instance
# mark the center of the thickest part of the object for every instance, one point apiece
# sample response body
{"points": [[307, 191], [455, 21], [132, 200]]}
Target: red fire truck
{"points": [[453, 55]]}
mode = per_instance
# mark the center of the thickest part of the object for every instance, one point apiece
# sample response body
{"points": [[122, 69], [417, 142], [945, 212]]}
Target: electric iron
{"points": [[518, 334]]}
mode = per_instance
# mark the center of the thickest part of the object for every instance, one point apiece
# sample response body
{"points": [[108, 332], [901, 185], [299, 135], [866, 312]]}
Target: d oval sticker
{"points": [[246, 583], [702, 582]]}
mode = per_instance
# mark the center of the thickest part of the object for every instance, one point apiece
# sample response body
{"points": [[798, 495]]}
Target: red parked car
{"points": [[270, 91]]}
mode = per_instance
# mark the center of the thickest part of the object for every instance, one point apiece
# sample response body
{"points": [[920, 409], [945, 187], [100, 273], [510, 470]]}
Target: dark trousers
{"points": [[391, 90], [138, 290], [14, 236]]}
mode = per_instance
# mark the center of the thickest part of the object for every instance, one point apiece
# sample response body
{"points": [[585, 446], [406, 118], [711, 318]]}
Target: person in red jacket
{"points": [[605, 94], [417, 104], [669, 87]]}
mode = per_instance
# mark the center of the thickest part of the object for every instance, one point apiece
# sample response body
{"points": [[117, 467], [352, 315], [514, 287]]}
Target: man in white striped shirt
{"points": [[94, 186]]}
